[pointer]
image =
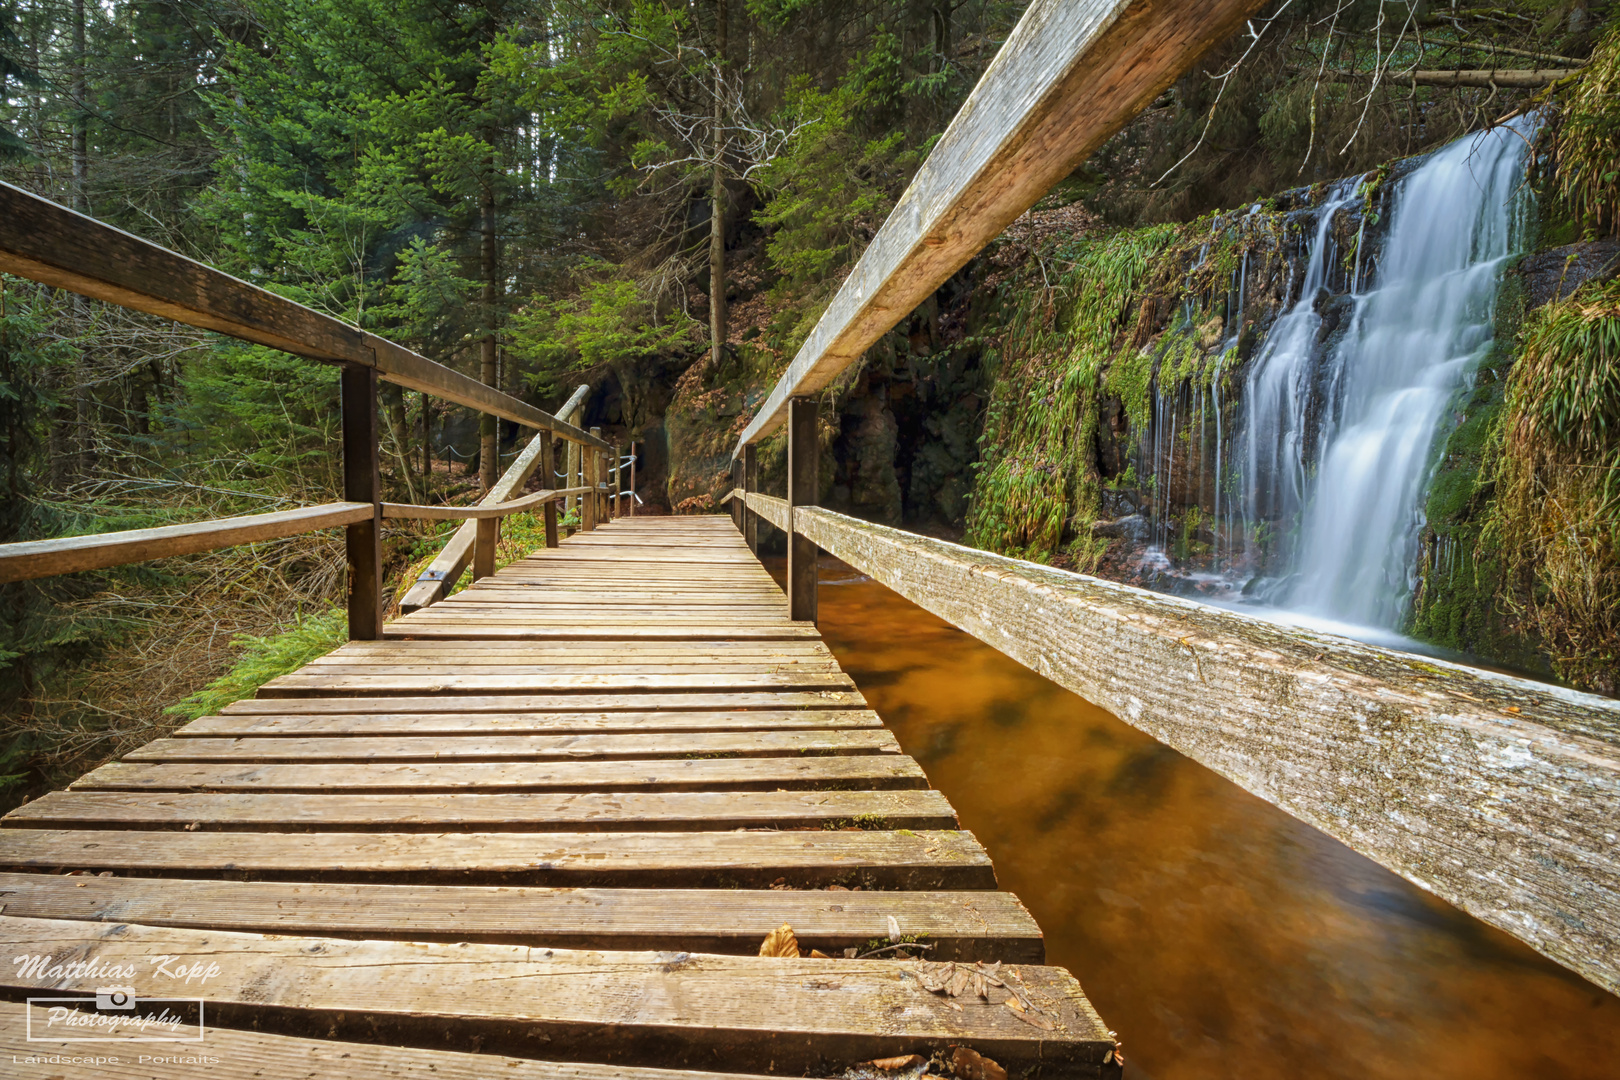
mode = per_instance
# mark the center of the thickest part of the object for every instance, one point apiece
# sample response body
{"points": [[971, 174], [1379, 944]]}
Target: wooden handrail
{"points": [[481, 512], [49, 243], [66, 555], [1071, 74], [1498, 794], [445, 570]]}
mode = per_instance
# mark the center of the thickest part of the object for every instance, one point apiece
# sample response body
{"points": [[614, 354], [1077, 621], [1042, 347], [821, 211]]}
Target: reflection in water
{"points": [[1219, 936]]}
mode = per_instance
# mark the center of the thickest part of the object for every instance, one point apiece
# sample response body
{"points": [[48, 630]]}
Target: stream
{"points": [[1217, 935]]}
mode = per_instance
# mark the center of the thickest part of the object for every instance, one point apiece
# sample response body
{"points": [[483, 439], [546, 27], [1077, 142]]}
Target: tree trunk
{"points": [[717, 214], [488, 454]]}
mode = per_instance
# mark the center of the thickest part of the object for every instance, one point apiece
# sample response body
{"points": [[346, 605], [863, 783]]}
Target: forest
{"points": [[658, 199]]}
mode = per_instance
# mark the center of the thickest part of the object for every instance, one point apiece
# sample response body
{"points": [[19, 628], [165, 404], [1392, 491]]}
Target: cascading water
{"points": [[1344, 444]]}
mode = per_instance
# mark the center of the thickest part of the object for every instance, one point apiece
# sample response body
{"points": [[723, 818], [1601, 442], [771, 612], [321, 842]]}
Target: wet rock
{"points": [[1132, 527], [1554, 274]]}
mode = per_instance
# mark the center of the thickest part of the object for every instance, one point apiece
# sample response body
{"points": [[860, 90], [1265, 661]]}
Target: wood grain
{"points": [[678, 1009], [1498, 794]]}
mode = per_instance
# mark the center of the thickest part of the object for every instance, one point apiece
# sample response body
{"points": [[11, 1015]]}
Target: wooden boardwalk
{"points": [[550, 819]]}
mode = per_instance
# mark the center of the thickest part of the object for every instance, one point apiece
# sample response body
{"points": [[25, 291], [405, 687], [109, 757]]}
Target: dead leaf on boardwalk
{"points": [[972, 1065], [780, 942], [889, 1064], [894, 930], [819, 955]]}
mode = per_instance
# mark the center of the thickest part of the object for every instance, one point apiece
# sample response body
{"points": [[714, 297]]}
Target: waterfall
{"points": [[1344, 444]]}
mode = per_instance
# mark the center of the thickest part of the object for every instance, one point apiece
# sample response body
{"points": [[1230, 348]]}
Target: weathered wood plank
{"points": [[1498, 794], [923, 859], [70, 554], [254, 1055], [969, 925], [1071, 74], [855, 771], [529, 812], [546, 703], [300, 684], [431, 625], [457, 725], [679, 1009], [647, 747]]}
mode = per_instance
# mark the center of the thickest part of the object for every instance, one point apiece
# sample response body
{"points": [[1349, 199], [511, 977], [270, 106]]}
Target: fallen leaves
{"points": [[780, 942], [954, 980], [969, 1064]]}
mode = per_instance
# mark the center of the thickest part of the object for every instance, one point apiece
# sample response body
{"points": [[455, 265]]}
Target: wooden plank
{"points": [[1498, 794], [469, 665], [431, 624], [254, 1055], [645, 746], [457, 725], [804, 858], [70, 554], [545, 703], [966, 925], [855, 771], [299, 684], [529, 812], [625, 652], [793, 1016], [49, 243]]}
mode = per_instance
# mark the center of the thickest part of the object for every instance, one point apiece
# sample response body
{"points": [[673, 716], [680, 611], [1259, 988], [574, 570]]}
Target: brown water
{"points": [[1217, 935]]}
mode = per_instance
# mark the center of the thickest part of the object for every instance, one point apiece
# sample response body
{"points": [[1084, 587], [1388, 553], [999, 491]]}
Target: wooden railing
{"points": [[53, 245], [1498, 794]]}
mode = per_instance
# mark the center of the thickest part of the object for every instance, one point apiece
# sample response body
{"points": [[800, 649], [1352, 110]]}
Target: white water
{"points": [[1380, 398]]}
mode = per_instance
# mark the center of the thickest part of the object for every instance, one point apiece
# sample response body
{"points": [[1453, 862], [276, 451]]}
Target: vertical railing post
{"points": [[548, 472], [587, 503], [575, 467], [598, 478], [736, 482], [632, 504], [362, 482], [618, 463], [803, 453], [484, 541], [750, 463]]}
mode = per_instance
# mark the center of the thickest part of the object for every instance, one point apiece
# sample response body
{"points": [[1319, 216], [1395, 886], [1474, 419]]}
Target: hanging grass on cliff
{"points": [[1557, 507]]}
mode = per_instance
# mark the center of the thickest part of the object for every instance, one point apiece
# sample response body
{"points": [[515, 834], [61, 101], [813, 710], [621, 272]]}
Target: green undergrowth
{"points": [[1135, 314], [265, 658]]}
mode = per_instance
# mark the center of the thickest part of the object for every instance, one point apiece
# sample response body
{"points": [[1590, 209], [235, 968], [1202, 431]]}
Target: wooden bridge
{"points": [[552, 817], [545, 826]]}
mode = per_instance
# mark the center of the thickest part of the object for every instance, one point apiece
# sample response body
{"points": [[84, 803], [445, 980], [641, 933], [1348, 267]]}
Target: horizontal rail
{"points": [[481, 512], [51, 244], [1498, 794], [446, 569], [1071, 74], [66, 555]]}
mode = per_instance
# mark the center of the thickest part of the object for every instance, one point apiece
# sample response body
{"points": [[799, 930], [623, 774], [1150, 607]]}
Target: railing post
{"points": [[488, 535], [548, 470], [598, 477], [750, 460], [736, 482], [362, 482], [632, 503], [618, 464], [803, 453], [587, 502], [575, 468]]}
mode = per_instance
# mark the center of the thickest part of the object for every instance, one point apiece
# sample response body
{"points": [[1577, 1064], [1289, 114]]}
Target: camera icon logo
{"points": [[115, 997]]}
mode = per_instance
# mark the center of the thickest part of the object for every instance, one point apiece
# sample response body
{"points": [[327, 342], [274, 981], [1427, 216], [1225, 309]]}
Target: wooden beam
{"points": [[804, 450], [1498, 794], [49, 243], [1071, 74], [750, 477], [362, 482], [43, 558], [748, 1013], [969, 925], [445, 570]]}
